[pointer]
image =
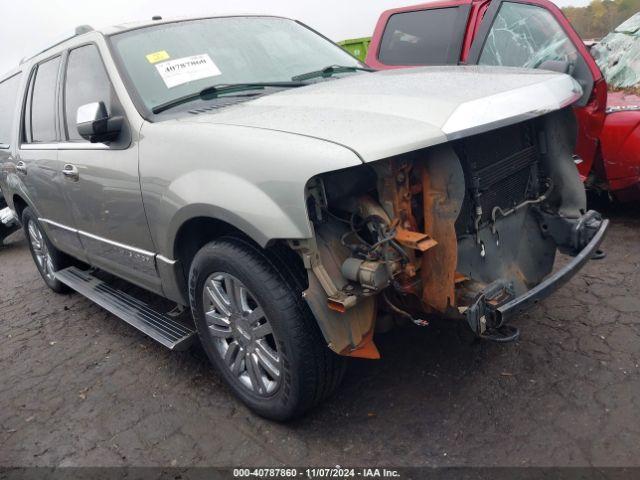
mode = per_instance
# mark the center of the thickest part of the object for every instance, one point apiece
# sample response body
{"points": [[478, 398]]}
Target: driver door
{"points": [[101, 181], [536, 34]]}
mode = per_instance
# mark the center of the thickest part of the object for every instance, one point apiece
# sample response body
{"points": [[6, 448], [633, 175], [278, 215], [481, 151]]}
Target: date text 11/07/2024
{"points": [[330, 472]]}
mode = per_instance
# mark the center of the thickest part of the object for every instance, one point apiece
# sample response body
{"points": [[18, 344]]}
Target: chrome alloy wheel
{"points": [[41, 251], [242, 334]]}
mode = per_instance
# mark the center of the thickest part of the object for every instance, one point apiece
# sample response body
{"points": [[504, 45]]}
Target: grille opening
{"points": [[501, 170]]}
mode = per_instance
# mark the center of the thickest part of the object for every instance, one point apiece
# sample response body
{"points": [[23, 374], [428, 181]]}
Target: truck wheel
{"points": [[258, 332], [47, 258]]}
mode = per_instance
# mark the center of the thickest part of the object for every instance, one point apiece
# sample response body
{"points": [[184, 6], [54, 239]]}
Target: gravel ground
{"points": [[78, 387]]}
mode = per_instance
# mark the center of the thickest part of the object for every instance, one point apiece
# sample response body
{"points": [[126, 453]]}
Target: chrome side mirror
{"points": [[94, 124]]}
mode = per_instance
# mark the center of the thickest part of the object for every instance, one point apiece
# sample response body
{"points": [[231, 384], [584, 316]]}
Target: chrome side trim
{"points": [[623, 108], [82, 146], [103, 240], [39, 146], [64, 146], [164, 259], [139, 251], [58, 225]]}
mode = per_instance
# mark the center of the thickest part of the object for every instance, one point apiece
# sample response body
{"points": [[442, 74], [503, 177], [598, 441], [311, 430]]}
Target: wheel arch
{"points": [[19, 205], [196, 231]]}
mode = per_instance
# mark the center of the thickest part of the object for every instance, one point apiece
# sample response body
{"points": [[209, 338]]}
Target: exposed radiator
{"points": [[501, 170]]}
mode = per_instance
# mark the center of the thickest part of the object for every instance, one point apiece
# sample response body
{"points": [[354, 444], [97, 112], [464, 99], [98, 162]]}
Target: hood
{"points": [[388, 113]]}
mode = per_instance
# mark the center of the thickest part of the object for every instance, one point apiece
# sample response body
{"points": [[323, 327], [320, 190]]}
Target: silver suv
{"points": [[255, 174]]}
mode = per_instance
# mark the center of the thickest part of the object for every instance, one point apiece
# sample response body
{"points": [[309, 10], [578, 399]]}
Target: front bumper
{"points": [[495, 307]]}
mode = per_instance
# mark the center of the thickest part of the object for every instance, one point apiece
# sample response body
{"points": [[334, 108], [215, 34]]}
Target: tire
{"points": [[47, 258], [297, 371]]}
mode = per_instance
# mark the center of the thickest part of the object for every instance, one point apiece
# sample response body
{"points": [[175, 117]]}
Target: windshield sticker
{"points": [[156, 57], [187, 69]]}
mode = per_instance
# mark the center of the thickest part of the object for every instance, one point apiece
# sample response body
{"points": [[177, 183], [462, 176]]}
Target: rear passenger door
{"points": [[104, 193], [38, 165]]}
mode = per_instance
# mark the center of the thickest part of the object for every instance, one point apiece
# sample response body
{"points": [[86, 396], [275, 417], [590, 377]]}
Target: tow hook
{"points": [[504, 334], [481, 315]]}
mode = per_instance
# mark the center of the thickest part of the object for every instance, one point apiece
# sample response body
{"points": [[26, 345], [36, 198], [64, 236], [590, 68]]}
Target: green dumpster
{"points": [[357, 47]]}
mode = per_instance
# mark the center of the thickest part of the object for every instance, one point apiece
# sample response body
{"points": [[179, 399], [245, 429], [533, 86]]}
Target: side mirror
{"points": [[95, 125], [560, 66]]}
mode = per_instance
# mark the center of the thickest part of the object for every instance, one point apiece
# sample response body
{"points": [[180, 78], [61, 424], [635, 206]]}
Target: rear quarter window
{"points": [[425, 37], [8, 100]]}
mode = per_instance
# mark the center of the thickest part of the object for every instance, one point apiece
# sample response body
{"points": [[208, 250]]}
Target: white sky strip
{"points": [[28, 26]]}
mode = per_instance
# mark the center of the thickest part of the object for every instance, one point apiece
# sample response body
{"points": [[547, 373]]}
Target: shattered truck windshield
{"points": [[618, 55], [526, 36]]}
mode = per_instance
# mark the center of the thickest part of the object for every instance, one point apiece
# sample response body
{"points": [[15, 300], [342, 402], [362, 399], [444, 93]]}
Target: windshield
{"points": [[168, 61], [618, 55], [526, 36]]}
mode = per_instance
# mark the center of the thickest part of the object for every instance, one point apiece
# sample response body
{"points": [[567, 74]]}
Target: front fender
{"points": [[253, 179]]}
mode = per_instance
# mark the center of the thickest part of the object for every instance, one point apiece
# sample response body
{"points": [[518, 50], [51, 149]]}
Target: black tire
{"points": [[58, 260], [310, 371]]}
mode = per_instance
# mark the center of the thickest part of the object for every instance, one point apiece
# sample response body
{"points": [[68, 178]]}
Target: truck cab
{"points": [[530, 34]]}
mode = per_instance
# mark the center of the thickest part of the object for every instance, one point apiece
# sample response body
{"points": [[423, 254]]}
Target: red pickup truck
{"points": [[530, 34]]}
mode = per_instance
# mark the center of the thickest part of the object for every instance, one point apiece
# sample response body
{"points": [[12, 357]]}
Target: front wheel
{"points": [[258, 332], [47, 258]]}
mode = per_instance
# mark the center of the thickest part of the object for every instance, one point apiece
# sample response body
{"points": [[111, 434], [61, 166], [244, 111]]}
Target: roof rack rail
{"points": [[80, 30]]}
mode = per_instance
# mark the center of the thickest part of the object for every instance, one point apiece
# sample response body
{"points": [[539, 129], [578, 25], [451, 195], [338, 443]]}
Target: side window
{"points": [[8, 100], [41, 111], [86, 82], [425, 37], [526, 36]]}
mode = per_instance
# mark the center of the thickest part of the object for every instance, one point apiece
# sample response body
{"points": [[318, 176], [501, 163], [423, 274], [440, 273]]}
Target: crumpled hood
{"points": [[392, 112]]}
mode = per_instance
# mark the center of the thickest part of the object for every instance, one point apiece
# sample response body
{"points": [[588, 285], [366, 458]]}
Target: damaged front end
{"points": [[465, 230]]}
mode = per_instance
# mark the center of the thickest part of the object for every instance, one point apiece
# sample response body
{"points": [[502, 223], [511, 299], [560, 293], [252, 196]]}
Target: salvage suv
{"points": [[252, 172]]}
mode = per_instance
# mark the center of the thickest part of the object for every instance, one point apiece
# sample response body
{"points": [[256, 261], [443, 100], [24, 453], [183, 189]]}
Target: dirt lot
{"points": [[80, 387]]}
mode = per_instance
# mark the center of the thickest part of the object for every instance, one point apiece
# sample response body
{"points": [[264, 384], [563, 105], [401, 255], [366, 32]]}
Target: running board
{"points": [[162, 328]]}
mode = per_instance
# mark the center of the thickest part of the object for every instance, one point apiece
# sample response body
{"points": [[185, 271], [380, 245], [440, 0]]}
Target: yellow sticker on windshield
{"points": [[156, 57]]}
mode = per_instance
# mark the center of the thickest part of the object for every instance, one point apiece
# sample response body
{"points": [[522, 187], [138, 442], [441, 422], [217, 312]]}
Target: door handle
{"points": [[21, 167], [71, 172]]}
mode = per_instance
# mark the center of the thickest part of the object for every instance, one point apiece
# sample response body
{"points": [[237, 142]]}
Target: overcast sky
{"points": [[30, 25]]}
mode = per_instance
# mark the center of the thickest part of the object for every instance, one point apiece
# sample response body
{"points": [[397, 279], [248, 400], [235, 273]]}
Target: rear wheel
{"points": [[47, 258], [258, 332]]}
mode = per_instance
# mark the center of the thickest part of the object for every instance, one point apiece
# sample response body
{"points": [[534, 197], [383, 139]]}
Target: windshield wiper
{"points": [[329, 71], [214, 91]]}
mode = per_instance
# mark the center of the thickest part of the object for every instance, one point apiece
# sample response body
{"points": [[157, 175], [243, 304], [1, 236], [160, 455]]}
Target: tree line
{"points": [[600, 16]]}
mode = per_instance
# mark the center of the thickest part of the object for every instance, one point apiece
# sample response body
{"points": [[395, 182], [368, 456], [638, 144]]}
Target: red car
{"points": [[531, 34]]}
